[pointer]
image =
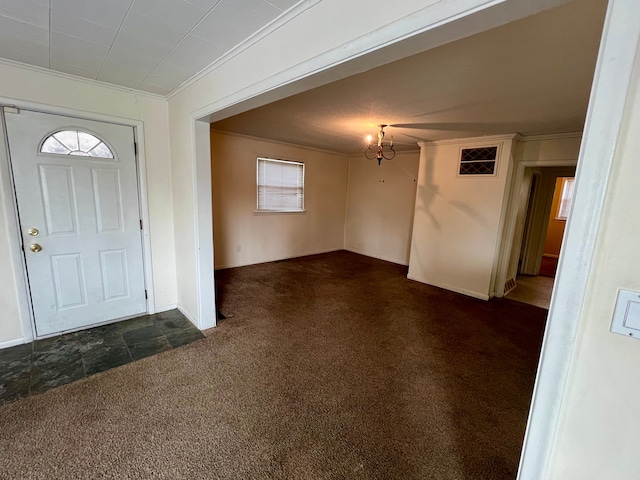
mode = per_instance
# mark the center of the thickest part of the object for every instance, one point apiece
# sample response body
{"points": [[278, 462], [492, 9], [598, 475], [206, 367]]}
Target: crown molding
{"points": [[481, 139], [511, 136], [279, 142], [69, 76], [264, 32], [550, 136]]}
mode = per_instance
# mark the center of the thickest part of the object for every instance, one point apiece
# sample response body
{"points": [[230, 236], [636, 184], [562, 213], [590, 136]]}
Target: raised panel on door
{"points": [[115, 278], [108, 199], [69, 281], [58, 199], [85, 206]]}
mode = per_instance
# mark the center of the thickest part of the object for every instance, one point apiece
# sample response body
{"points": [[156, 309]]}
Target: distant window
{"points": [[568, 184], [478, 161], [75, 142], [280, 185]]}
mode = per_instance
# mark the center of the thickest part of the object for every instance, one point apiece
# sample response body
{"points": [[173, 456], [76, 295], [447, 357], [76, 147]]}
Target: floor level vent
{"points": [[510, 285]]}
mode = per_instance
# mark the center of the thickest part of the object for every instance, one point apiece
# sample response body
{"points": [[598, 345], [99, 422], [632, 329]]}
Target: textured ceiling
{"points": [[150, 45], [532, 76]]}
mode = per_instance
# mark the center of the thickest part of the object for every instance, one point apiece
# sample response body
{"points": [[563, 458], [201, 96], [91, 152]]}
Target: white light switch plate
{"points": [[626, 317]]}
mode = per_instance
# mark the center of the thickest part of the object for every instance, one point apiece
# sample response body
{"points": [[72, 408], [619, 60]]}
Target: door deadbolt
{"points": [[34, 232], [34, 247]]}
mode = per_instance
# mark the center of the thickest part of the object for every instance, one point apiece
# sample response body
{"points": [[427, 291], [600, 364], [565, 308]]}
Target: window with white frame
{"points": [[280, 185], [566, 199]]}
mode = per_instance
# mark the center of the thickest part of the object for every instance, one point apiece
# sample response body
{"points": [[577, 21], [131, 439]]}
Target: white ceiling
{"points": [[150, 45], [532, 76]]}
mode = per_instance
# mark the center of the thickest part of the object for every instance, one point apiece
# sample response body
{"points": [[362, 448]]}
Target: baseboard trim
{"points": [[183, 311], [12, 343], [166, 308], [318, 252], [463, 291], [386, 259]]}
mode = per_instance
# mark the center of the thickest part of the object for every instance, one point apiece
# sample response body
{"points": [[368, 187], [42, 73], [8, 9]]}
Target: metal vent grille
{"points": [[478, 161], [509, 285]]}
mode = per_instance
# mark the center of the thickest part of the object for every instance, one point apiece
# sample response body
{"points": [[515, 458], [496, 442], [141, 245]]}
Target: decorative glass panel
{"points": [[478, 161], [75, 142], [477, 154]]}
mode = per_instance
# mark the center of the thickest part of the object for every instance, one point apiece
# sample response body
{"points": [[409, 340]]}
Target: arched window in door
{"points": [[76, 142]]}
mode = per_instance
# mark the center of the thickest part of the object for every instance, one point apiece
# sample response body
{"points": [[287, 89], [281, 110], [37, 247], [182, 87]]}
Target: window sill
{"points": [[279, 212]]}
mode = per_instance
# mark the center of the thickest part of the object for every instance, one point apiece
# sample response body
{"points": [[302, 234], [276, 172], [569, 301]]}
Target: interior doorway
{"points": [[548, 204]]}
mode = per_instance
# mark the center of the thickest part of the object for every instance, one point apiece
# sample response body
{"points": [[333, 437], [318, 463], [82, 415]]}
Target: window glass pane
{"points": [[75, 142], [566, 199], [51, 145], [87, 141], [280, 185], [69, 138], [101, 150]]}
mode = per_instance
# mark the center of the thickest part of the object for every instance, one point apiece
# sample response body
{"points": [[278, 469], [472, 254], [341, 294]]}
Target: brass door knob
{"points": [[34, 247]]}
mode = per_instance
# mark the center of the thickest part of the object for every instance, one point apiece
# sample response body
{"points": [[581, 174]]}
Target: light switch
{"points": [[626, 317]]}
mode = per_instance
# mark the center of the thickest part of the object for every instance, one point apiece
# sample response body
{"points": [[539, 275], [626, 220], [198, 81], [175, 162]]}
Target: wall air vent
{"points": [[478, 161]]}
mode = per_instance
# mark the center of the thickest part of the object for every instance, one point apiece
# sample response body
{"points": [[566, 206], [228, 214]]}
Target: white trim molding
{"points": [[76, 78], [472, 141], [451, 288], [609, 95], [203, 221], [549, 136], [13, 343], [265, 31]]}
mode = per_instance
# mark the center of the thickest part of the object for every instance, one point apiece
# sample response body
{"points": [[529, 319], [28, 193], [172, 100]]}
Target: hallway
{"points": [[532, 290]]}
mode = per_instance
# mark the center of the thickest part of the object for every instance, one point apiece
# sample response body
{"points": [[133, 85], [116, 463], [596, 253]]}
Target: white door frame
{"points": [[8, 199], [534, 244], [613, 76], [603, 128]]}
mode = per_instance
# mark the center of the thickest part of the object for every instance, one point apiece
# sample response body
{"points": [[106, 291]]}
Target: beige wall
{"points": [[255, 70], [258, 74], [242, 236], [599, 431], [56, 91], [380, 202], [458, 219]]}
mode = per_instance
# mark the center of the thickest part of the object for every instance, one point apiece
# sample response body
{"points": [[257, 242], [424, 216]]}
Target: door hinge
{"points": [[146, 295], [135, 148], [140, 224]]}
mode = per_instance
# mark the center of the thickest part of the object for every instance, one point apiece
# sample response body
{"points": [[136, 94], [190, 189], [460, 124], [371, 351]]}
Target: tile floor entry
{"points": [[44, 364]]}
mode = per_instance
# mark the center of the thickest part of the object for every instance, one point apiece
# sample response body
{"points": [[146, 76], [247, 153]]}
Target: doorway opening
{"points": [[548, 204]]}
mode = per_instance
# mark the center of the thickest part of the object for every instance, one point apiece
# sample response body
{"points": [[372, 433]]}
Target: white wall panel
{"points": [[380, 203]]}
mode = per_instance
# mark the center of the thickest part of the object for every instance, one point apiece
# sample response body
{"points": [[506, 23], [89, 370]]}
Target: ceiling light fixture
{"points": [[380, 150]]}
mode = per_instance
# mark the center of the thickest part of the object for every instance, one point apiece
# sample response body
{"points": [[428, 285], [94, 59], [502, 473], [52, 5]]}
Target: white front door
{"points": [[77, 194]]}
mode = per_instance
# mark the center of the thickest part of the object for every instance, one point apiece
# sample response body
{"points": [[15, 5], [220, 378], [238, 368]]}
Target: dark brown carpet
{"points": [[332, 366]]}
